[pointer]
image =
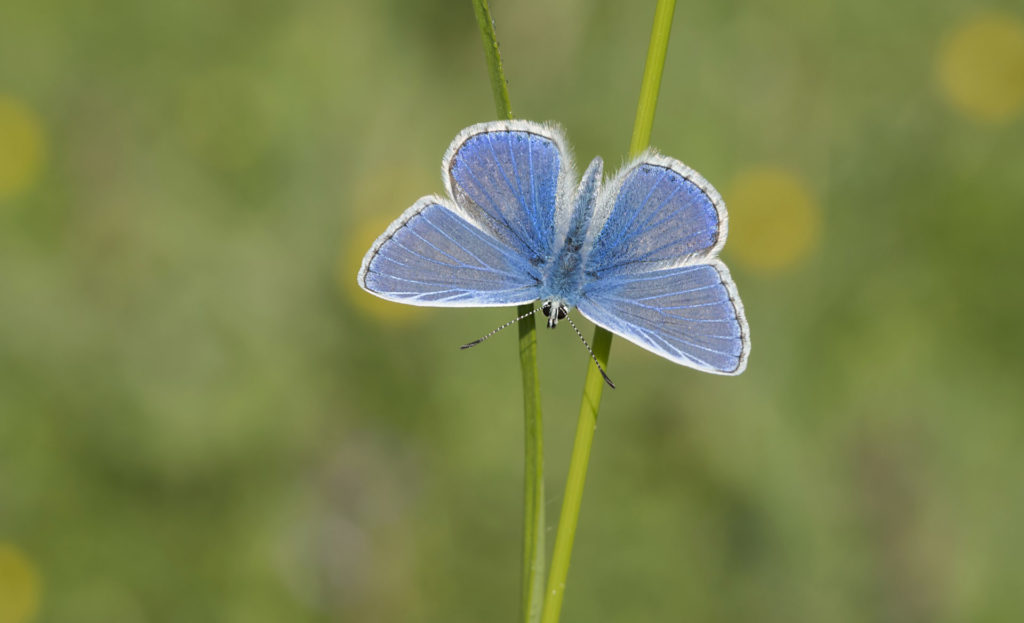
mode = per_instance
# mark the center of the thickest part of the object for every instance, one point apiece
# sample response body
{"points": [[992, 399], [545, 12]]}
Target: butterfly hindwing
{"points": [[655, 213], [508, 176], [691, 315], [433, 256]]}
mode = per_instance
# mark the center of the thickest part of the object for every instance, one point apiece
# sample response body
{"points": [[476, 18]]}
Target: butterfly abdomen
{"points": [[565, 275]]}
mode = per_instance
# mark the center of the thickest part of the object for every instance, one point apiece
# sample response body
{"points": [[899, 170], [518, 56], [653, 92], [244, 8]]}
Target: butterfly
{"points": [[637, 255]]}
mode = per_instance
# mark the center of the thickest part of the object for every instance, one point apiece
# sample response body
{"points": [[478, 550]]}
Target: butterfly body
{"points": [[563, 279], [636, 255]]}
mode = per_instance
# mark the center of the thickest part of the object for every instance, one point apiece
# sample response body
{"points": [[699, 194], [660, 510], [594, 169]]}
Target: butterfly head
{"points": [[555, 311]]}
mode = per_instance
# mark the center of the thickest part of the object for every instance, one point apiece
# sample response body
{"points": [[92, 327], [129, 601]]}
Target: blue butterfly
{"points": [[637, 255]]}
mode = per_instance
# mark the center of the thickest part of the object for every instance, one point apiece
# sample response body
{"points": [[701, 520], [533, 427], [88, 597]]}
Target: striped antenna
{"points": [[592, 355], [504, 326]]}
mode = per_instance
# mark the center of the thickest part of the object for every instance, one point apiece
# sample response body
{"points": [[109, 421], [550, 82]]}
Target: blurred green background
{"points": [[202, 418]]}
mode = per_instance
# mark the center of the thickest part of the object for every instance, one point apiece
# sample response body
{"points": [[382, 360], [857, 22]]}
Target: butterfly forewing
{"points": [[433, 256], [691, 314]]}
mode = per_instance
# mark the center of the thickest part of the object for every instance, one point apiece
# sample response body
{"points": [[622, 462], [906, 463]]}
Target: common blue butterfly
{"points": [[637, 255]]}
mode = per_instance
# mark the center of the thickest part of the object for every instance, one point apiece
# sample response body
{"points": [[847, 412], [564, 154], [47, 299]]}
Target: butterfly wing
{"points": [[488, 248], [510, 177], [655, 213], [433, 256], [691, 315], [651, 275]]}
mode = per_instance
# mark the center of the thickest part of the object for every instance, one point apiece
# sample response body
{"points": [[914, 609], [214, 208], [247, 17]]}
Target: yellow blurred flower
{"points": [[22, 147], [385, 193], [980, 67], [19, 586], [774, 221]]}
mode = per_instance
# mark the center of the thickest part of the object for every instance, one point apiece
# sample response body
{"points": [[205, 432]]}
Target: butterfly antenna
{"points": [[592, 355], [504, 326]]}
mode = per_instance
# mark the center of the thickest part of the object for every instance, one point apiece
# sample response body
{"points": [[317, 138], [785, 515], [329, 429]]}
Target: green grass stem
{"points": [[594, 384], [533, 473]]}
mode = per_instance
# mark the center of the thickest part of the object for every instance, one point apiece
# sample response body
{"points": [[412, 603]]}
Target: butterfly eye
{"points": [[546, 308], [562, 312]]}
